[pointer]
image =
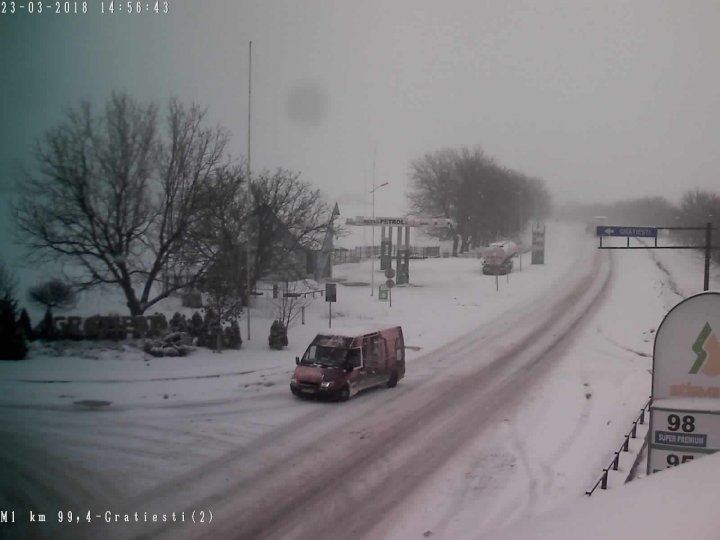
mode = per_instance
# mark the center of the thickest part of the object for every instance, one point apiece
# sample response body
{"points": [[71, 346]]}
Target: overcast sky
{"points": [[602, 99]]}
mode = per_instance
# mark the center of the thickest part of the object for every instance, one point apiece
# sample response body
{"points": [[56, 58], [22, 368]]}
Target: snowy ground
{"points": [[170, 415]]}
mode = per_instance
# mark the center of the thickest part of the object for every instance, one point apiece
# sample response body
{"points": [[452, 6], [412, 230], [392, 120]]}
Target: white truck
{"points": [[498, 258]]}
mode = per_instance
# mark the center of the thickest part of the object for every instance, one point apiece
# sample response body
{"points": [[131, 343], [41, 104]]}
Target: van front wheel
{"points": [[393, 380], [344, 394]]}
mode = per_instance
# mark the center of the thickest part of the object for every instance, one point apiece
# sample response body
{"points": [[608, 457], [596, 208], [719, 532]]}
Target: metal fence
{"points": [[363, 253], [624, 447]]}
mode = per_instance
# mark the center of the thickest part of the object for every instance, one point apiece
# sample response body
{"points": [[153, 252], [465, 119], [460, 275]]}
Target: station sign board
{"points": [[680, 435], [538, 243], [686, 357], [400, 221], [642, 232], [685, 410]]}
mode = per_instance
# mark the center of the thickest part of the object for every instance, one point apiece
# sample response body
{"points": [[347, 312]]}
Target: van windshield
{"points": [[325, 356]]}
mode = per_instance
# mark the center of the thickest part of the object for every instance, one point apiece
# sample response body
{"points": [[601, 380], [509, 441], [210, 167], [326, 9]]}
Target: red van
{"points": [[340, 363]]}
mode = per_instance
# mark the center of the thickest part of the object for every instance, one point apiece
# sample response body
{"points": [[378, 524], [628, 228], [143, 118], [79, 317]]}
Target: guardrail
{"points": [[602, 481]]}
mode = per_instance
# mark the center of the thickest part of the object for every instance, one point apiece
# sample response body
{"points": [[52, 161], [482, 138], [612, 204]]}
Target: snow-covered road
{"points": [[353, 475], [513, 416]]}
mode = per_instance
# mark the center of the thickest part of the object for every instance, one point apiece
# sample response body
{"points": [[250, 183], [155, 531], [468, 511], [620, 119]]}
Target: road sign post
{"points": [[538, 244], [637, 232], [330, 297], [383, 293], [603, 231], [680, 434], [390, 284]]}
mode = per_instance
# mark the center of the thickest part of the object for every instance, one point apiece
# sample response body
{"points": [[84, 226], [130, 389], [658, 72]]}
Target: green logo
{"points": [[707, 349]]}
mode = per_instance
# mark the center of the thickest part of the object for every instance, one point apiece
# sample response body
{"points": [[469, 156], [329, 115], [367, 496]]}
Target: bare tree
{"points": [[281, 218], [224, 285], [53, 294], [697, 208], [120, 200], [485, 199], [288, 219], [434, 186], [293, 297], [434, 180]]}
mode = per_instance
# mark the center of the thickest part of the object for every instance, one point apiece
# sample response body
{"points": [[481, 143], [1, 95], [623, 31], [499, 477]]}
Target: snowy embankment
{"points": [[672, 504]]}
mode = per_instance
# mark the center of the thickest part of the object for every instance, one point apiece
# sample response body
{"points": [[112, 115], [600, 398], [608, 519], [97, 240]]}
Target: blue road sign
{"points": [[609, 230]]}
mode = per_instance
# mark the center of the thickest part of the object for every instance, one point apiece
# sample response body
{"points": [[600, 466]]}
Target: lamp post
{"points": [[247, 243], [372, 247], [521, 224]]}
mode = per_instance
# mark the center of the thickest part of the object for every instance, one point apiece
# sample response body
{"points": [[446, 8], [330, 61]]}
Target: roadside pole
{"points": [[389, 283], [330, 297], [708, 244]]}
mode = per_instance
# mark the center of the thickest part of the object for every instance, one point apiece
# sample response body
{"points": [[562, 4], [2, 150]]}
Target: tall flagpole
{"points": [[247, 243], [372, 241]]}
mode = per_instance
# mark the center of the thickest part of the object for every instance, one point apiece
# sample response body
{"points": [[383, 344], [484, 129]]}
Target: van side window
{"points": [[376, 347], [354, 356]]}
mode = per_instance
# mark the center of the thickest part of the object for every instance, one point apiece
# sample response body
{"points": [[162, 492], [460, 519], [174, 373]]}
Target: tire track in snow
{"points": [[541, 477], [427, 426]]}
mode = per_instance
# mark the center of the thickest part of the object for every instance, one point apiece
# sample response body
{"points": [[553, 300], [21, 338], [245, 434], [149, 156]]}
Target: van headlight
{"points": [[326, 384], [293, 381]]}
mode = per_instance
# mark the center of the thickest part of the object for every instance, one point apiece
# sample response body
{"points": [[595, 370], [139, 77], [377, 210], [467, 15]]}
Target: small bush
{"points": [[46, 329], [233, 340], [171, 344], [178, 323], [158, 325], [196, 325]]}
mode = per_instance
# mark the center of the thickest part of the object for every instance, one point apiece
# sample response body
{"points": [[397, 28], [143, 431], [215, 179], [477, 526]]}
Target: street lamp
{"points": [[250, 196], [521, 224], [372, 247]]}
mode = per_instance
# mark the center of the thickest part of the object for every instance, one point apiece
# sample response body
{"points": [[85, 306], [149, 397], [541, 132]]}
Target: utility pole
{"points": [[708, 247], [372, 235], [250, 195], [372, 264]]}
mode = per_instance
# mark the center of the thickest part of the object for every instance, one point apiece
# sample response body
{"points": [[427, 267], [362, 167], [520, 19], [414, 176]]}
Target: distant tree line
{"points": [[486, 200], [696, 208]]}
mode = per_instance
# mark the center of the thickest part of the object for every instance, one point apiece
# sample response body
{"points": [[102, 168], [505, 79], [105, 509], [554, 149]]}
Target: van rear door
{"points": [[376, 361]]}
